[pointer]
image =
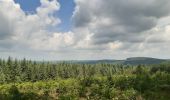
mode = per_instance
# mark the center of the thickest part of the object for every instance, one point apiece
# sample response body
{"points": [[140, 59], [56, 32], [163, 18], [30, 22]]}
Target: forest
{"points": [[33, 80]]}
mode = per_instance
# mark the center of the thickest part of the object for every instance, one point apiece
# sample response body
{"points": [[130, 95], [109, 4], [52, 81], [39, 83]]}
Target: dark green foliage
{"points": [[14, 93], [30, 80], [162, 67]]}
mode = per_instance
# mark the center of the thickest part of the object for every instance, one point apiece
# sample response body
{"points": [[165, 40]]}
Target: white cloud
{"points": [[131, 26], [31, 31], [102, 29], [56, 42]]}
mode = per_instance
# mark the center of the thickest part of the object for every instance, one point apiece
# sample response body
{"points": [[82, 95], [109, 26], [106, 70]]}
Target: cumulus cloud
{"points": [[31, 31], [127, 26], [119, 20], [4, 27], [101, 28]]}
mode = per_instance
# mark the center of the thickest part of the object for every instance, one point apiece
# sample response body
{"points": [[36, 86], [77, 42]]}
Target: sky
{"points": [[84, 30]]}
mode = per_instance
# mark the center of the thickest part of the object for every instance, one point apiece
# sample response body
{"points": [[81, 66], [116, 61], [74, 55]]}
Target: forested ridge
{"points": [[31, 80]]}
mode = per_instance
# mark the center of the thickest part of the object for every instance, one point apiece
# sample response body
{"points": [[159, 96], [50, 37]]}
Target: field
{"points": [[29, 80]]}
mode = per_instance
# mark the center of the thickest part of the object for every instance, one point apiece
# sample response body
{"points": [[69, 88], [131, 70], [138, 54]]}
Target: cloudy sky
{"points": [[83, 29]]}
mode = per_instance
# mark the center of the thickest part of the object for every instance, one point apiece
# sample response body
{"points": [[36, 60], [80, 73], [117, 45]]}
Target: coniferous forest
{"points": [[31, 80]]}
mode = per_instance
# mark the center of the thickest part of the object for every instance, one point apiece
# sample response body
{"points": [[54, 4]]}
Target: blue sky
{"points": [[65, 12]]}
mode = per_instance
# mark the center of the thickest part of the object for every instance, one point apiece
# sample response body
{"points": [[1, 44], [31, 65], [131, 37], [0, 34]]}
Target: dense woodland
{"points": [[30, 80]]}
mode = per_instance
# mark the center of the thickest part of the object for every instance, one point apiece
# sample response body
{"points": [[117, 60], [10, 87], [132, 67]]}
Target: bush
{"points": [[14, 93]]}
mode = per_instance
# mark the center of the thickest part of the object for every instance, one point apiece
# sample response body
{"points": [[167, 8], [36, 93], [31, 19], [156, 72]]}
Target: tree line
{"points": [[31, 80]]}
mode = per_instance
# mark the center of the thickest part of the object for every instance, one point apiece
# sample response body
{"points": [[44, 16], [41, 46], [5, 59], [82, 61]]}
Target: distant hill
{"points": [[97, 61], [128, 61], [143, 60]]}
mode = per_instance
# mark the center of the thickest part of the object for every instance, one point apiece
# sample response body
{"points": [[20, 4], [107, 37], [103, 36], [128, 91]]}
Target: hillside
{"points": [[143, 60], [128, 61]]}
